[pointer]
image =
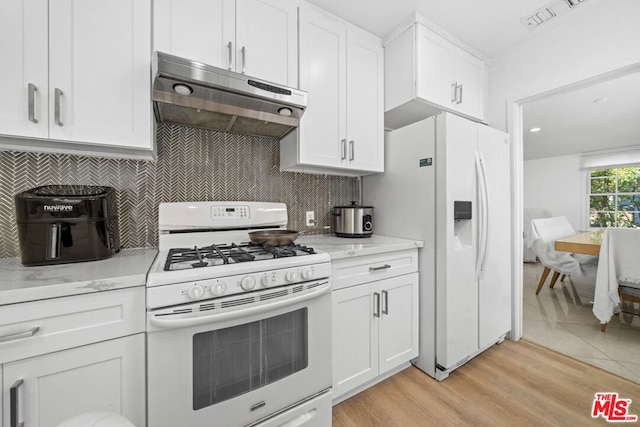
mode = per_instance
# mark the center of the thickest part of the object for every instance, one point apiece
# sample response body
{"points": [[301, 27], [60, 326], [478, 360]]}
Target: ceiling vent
{"points": [[549, 12]]}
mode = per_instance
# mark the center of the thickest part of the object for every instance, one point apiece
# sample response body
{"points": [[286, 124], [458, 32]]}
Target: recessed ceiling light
{"points": [[534, 130]]}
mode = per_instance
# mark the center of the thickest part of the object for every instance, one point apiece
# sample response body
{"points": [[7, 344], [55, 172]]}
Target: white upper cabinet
{"points": [[99, 55], [254, 37], [267, 40], [468, 74], [434, 62], [24, 72], [426, 74], [323, 76], [200, 30], [341, 69], [365, 92], [77, 72]]}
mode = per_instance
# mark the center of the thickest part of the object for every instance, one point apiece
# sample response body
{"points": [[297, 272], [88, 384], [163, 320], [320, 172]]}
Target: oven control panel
{"points": [[197, 290], [230, 212]]}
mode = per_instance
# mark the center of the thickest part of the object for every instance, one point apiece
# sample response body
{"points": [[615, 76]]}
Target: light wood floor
{"points": [[512, 384]]}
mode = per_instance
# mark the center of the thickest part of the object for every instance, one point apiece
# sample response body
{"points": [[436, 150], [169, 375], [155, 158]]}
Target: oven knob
{"points": [[307, 273], [247, 283], [291, 276], [264, 280], [196, 292], [218, 288]]}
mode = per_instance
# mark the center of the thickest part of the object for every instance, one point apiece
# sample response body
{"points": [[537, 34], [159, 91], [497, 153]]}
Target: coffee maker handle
{"points": [[53, 242]]}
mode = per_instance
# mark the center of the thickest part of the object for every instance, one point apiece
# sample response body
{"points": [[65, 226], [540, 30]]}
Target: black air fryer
{"points": [[59, 224]]}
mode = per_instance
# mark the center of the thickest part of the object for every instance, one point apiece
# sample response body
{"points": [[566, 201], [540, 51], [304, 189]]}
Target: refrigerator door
{"points": [[456, 240], [495, 280]]}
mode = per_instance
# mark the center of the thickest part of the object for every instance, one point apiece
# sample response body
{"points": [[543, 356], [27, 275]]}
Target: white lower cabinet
{"points": [[107, 376], [65, 356], [375, 329]]}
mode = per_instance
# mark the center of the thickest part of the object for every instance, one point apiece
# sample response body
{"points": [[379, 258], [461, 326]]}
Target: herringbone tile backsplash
{"points": [[193, 164]]}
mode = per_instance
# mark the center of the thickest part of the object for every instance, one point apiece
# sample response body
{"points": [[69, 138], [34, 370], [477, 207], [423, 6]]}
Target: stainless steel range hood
{"points": [[203, 96]]}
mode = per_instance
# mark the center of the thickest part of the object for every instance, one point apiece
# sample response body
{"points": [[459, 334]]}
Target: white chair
{"points": [[544, 233], [618, 277], [529, 214]]}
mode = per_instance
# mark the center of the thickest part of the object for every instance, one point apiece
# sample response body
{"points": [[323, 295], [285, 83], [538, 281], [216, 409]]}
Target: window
{"points": [[614, 197]]}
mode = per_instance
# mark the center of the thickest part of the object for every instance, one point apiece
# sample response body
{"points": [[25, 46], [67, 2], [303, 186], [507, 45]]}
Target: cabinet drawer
{"points": [[40, 327], [363, 269]]}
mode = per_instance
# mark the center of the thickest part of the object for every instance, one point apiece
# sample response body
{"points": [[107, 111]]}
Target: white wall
{"points": [[598, 39], [556, 184]]}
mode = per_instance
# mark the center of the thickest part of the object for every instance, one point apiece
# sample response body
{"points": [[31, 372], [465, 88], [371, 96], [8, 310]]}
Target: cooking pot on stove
{"points": [[353, 220]]}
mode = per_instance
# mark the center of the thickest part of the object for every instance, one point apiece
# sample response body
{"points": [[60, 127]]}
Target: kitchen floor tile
{"points": [[562, 319]]}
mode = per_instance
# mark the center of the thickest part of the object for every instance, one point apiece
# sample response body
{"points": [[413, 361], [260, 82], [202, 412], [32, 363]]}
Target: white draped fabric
{"points": [[619, 263]]}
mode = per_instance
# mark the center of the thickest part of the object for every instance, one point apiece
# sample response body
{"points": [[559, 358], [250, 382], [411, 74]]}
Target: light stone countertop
{"points": [[126, 269], [129, 268], [342, 247]]}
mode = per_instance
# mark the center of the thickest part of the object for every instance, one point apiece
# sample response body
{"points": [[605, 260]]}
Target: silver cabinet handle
{"points": [[230, 48], [343, 149], [15, 404], [58, 95], [460, 94], [382, 267], [376, 304], [454, 91], [385, 302], [244, 58], [20, 335], [32, 103], [352, 153]]}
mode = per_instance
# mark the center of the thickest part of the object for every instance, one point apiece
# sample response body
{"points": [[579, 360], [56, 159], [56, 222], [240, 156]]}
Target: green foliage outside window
{"points": [[614, 199]]}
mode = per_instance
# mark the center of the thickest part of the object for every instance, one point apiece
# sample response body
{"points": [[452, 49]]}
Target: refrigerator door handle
{"points": [[481, 230], [481, 260]]}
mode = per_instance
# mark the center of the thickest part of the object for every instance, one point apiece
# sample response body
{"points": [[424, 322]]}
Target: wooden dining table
{"points": [[587, 243]]}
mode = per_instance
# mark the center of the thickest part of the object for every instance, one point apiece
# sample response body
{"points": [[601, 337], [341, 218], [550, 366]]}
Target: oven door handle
{"points": [[186, 320]]}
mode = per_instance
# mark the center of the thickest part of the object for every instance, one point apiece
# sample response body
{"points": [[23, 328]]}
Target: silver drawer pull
{"points": [[382, 267], [20, 335]]}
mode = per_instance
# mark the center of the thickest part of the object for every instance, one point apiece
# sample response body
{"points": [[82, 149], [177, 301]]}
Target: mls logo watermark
{"points": [[612, 408]]}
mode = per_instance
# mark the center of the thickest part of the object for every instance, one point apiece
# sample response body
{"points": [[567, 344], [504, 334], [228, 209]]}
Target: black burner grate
{"points": [[220, 254]]}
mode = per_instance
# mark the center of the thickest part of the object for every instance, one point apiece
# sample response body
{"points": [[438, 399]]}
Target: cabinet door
{"points": [[107, 376], [323, 76], [200, 30], [365, 119], [398, 335], [469, 73], [434, 78], [100, 55], [24, 53], [267, 40], [355, 338]]}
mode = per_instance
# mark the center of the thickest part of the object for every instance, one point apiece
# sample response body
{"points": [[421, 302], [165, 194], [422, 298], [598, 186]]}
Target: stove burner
{"points": [[207, 256]]}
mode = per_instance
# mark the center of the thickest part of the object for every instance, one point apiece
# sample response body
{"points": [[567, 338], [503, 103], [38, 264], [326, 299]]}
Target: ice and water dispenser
{"points": [[462, 227]]}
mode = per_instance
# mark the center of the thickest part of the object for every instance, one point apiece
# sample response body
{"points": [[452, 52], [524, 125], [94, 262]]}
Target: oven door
{"points": [[236, 360]]}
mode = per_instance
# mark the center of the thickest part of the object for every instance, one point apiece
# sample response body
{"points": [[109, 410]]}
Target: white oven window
{"points": [[233, 361]]}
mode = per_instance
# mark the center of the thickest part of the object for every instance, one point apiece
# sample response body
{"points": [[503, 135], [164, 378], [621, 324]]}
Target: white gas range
{"points": [[237, 332]]}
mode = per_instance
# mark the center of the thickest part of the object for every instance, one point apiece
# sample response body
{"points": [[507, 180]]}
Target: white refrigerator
{"points": [[447, 182]]}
